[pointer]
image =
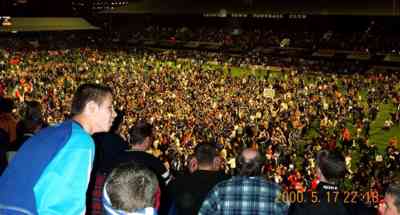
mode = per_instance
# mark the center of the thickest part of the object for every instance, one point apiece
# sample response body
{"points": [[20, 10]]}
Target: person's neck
{"points": [[206, 168], [324, 180], [84, 123], [138, 148]]}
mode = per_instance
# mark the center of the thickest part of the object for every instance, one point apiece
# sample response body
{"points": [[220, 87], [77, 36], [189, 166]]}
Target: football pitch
{"points": [[378, 135]]}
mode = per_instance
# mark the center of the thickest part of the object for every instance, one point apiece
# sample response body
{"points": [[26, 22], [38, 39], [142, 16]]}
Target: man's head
{"points": [[32, 121], [141, 136], [129, 187], [250, 163], [205, 158], [93, 104], [33, 111], [392, 201], [331, 166], [6, 105]]}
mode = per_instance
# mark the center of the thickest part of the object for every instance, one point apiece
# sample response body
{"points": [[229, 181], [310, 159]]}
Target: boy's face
{"points": [[105, 114]]}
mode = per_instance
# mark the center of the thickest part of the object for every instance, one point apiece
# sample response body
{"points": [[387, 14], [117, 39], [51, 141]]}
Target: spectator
{"points": [[109, 145], [189, 191], [3, 149], [140, 140], [30, 124], [181, 91], [50, 173], [7, 121], [130, 189], [247, 193], [331, 168]]}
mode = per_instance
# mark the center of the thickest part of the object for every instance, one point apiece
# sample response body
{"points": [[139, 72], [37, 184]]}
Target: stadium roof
{"points": [[323, 7], [392, 58], [47, 24]]}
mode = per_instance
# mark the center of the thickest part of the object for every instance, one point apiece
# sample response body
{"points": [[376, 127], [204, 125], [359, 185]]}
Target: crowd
{"points": [[369, 39], [191, 97]]}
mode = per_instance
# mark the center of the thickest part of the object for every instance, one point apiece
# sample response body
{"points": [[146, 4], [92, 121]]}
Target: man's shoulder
{"points": [[181, 182], [108, 137], [200, 177], [254, 179], [145, 158], [232, 182], [210, 175], [242, 181], [66, 132], [80, 138], [55, 133], [183, 178], [142, 155]]}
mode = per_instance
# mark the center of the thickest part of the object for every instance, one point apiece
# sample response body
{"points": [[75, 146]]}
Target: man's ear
{"points": [[91, 107], [319, 173], [193, 165], [217, 162]]}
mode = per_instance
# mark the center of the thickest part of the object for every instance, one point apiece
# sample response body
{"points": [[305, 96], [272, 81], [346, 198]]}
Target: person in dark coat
{"points": [[3, 150], [30, 124], [328, 199], [188, 191], [109, 145]]}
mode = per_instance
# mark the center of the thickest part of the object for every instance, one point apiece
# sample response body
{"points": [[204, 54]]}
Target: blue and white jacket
{"points": [[50, 173]]}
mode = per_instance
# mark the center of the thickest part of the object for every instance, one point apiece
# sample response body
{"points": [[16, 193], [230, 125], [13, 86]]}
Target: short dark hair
{"points": [[33, 111], [394, 191], [251, 167], [32, 117], [332, 165], [140, 132], [6, 105], [86, 93], [205, 153], [131, 186]]}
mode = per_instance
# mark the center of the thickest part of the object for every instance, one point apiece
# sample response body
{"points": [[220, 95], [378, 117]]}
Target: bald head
{"points": [[249, 154], [250, 163]]}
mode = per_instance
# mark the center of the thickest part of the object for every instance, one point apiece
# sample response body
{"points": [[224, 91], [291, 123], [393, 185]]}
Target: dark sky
{"points": [[36, 8]]}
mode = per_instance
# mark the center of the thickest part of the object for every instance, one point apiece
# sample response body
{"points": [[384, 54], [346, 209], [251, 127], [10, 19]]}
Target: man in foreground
{"points": [[130, 189], [50, 172], [328, 198]]}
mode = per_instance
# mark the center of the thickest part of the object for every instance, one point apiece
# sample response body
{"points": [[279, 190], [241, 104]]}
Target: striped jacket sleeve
{"points": [[62, 187]]}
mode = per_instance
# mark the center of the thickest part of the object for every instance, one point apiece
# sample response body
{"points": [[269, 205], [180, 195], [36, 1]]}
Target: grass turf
{"points": [[378, 136]]}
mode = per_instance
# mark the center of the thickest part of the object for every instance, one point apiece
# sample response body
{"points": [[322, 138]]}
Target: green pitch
{"points": [[378, 136]]}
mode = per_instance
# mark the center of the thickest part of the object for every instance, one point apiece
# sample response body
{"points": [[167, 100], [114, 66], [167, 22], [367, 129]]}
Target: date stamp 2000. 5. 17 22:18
{"points": [[347, 197]]}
